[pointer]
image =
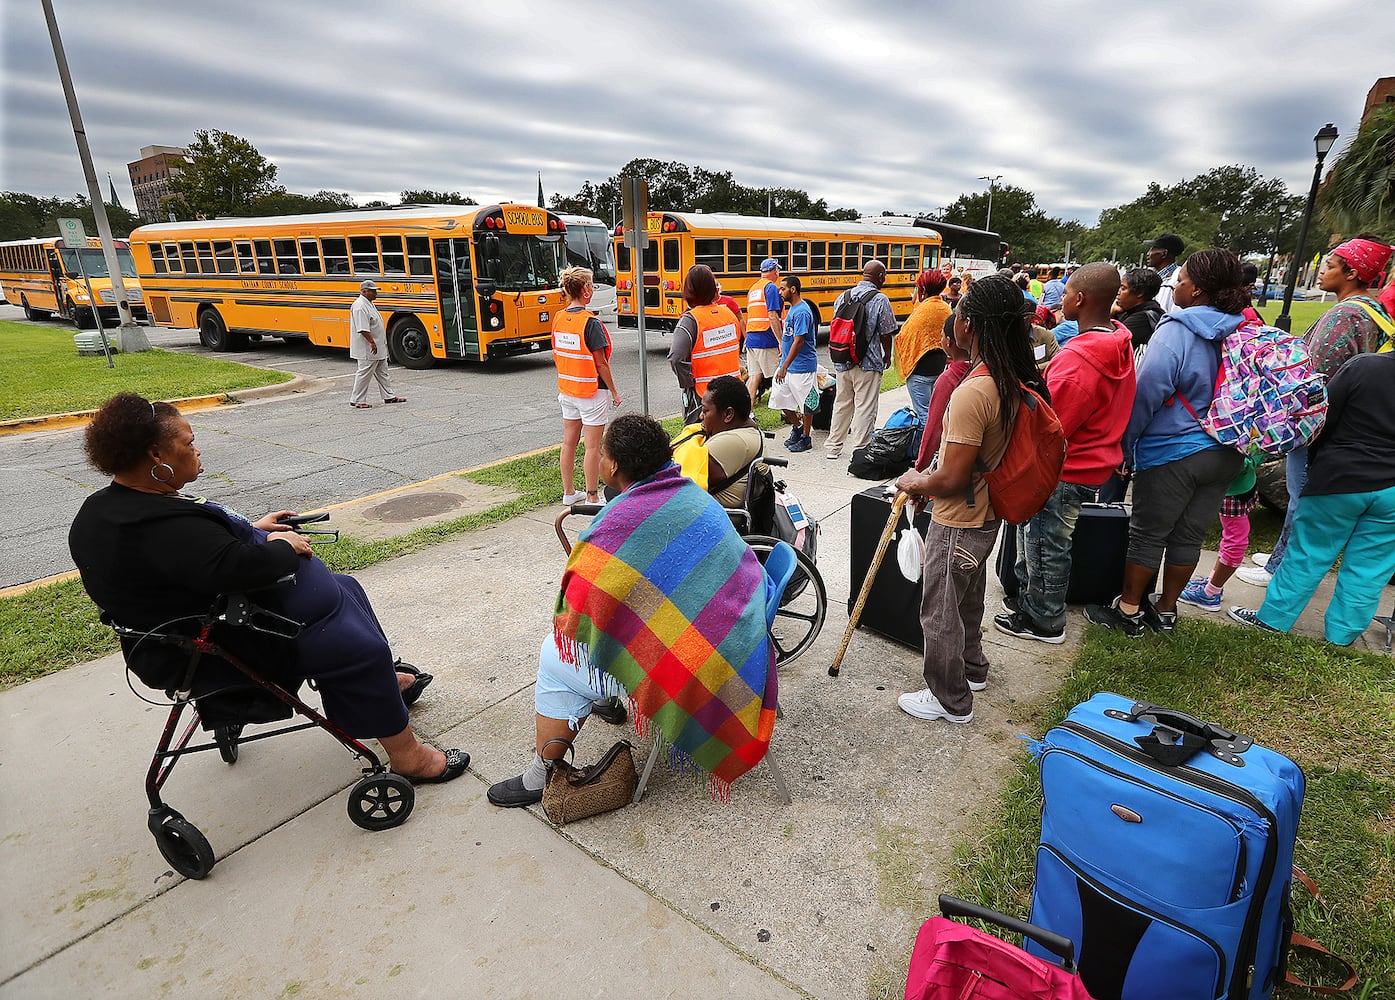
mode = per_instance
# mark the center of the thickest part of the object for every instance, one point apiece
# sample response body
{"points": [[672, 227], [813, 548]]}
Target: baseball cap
{"points": [[1170, 242], [367, 286], [770, 264]]}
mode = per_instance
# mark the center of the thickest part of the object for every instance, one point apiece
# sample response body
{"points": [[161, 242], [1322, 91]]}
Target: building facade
{"points": [[150, 178]]}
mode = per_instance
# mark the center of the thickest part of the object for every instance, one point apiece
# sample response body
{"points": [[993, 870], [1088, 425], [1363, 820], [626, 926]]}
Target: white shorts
{"points": [[762, 361], [795, 391], [592, 411]]}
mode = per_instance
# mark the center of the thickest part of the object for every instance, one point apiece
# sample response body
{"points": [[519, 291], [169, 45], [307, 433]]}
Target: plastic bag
{"points": [[910, 548]]}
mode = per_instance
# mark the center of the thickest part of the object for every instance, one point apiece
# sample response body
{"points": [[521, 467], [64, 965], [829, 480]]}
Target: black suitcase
{"points": [[823, 416], [1097, 552], [893, 605]]}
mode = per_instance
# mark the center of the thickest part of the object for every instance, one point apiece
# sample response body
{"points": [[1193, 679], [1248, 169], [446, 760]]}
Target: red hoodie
{"points": [[1092, 387]]}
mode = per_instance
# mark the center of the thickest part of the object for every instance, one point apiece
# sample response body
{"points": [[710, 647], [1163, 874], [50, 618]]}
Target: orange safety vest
{"points": [[576, 365], [757, 313], [717, 349]]}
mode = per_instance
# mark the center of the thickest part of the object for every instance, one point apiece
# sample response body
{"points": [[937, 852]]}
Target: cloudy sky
{"points": [[871, 105]]}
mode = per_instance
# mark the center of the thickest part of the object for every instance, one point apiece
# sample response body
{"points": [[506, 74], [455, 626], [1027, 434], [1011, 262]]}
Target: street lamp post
{"points": [[988, 222], [1323, 143]]}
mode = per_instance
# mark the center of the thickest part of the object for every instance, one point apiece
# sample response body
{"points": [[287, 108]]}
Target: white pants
{"points": [[854, 409], [370, 368]]}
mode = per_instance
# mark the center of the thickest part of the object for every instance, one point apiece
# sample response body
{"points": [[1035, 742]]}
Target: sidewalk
{"points": [[676, 897]]}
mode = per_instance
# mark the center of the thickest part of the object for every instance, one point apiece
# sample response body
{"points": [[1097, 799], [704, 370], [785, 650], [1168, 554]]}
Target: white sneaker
{"points": [[833, 456], [1260, 558], [978, 685], [924, 705], [570, 498], [1257, 576]]}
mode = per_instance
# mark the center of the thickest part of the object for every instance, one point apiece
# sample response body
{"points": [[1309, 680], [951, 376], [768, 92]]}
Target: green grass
{"points": [[56, 380], [1303, 314], [1329, 709], [47, 629]]}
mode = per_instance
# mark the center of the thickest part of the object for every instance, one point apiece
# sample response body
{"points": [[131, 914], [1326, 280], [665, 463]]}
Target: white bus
{"points": [[589, 245]]}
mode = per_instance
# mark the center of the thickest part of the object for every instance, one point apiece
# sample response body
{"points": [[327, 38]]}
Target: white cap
{"points": [[367, 286]]}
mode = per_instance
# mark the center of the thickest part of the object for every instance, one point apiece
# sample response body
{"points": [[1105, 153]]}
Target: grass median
{"points": [[56, 379], [1327, 708]]}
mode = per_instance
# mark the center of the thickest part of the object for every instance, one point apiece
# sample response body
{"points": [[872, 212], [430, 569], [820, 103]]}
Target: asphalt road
{"points": [[306, 450]]}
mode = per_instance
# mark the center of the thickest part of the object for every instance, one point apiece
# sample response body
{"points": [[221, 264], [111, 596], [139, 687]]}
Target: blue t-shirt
{"points": [[1065, 331], [800, 322], [773, 302]]}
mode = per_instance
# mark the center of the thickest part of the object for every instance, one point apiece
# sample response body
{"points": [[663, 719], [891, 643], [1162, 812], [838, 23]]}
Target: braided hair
{"points": [[993, 308]]}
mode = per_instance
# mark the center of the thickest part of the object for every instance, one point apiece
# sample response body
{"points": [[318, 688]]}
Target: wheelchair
{"points": [[770, 515], [380, 800]]}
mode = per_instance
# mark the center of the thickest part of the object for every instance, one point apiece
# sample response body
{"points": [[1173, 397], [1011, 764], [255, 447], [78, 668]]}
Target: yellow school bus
{"points": [[828, 257], [453, 281], [45, 276]]}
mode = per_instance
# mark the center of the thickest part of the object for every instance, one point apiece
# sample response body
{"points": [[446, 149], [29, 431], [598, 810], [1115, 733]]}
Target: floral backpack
{"points": [[1269, 399]]}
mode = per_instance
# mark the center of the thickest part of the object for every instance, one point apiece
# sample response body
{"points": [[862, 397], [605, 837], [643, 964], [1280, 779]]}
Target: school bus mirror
{"points": [[486, 288]]}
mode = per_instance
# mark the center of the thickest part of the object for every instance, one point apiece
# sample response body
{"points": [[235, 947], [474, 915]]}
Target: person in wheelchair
{"points": [[718, 452], [153, 558], [663, 601]]}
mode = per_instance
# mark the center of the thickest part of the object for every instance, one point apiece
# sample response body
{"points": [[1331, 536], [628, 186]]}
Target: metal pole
{"points": [[1285, 321], [1273, 254], [129, 336], [638, 251], [96, 313]]}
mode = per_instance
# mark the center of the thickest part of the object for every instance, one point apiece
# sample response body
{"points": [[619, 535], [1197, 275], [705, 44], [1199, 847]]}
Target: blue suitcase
{"points": [[1166, 852]]}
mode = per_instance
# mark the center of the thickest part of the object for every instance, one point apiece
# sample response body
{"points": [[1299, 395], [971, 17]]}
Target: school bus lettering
{"points": [[525, 220]]}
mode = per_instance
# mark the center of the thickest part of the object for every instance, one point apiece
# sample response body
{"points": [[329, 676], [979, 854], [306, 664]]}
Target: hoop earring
{"points": [[163, 482]]}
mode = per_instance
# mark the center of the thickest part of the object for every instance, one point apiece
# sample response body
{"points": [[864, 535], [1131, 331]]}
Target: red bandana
{"points": [[1366, 257]]}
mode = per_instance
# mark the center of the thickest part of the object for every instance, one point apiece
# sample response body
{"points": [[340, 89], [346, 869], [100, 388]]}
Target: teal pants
{"points": [[1358, 526]]}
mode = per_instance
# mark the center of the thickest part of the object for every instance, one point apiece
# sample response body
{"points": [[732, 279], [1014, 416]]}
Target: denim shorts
{"points": [[563, 691]]}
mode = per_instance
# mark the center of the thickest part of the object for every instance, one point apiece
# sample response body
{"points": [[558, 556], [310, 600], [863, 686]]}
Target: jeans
{"points": [[1043, 555], [1295, 478], [920, 387]]}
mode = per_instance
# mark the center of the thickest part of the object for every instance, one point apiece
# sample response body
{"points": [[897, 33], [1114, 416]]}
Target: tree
{"points": [[283, 202], [425, 197], [1359, 196], [1231, 206], [23, 216], [1034, 236], [224, 175]]}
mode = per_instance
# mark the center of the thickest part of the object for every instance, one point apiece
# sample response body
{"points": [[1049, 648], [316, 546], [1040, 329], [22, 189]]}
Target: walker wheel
{"points": [[183, 846], [226, 738], [381, 801]]}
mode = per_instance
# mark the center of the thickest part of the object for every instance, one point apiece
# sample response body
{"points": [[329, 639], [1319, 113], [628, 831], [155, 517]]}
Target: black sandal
{"points": [[457, 762], [420, 680]]}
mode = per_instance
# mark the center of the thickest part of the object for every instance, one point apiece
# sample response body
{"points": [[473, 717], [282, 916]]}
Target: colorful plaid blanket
{"points": [[663, 598]]}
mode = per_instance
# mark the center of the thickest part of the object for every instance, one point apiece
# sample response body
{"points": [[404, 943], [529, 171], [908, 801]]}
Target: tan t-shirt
{"points": [[972, 418], [734, 450]]}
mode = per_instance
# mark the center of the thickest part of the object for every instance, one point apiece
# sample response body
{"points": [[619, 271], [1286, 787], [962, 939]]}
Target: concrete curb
{"points": [[188, 404]]}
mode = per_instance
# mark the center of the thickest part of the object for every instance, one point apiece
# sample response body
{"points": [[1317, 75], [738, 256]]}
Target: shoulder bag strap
{"points": [[1298, 941]]}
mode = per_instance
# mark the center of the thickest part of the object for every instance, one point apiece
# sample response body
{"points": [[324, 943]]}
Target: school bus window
{"points": [[336, 255], [205, 250], [760, 249], [266, 263], [869, 252], [157, 258], [286, 260], [883, 251], [246, 263], [191, 259], [223, 255], [780, 250], [817, 255], [651, 256], [419, 256], [394, 258], [709, 252], [894, 264], [172, 261], [799, 255], [736, 256], [670, 254], [364, 250], [622, 259], [310, 256]]}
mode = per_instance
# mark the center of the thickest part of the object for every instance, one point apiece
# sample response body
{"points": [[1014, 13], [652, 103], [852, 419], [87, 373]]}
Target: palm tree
{"points": [[1360, 194]]}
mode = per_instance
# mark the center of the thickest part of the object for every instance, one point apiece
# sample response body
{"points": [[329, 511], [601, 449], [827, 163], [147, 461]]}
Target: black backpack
{"points": [[847, 331]]}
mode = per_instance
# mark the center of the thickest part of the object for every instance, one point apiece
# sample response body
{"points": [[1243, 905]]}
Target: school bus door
{"points": [[670, 277], [455, 288]]}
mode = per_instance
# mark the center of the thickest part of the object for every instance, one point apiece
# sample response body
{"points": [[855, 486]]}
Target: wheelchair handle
{"points": [[297, 520], [779, 463], [580, 509]]}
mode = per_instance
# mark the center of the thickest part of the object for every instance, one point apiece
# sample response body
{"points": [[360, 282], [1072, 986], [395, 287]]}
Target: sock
{"points": [[536, 775], [1212, 590]]}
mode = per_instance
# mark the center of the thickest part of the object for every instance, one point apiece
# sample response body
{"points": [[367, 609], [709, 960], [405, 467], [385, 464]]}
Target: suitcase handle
{"points": [[951, 906], [1221, 743]]}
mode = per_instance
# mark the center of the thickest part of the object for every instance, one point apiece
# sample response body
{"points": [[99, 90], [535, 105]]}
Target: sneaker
{"points": [[511, 794], [1261, 558], [1257, 576], [1023, 627], [571, 498], [1249, 616], [833, 456], [924, 705], [1111, 617], [1158, 621], [803, 444], [1194, 593], [794, 435], [978, 686], [1011, 606]]}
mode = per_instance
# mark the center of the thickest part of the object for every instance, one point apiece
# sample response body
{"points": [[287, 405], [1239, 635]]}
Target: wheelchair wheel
{"points": [[182, 845], [226, 738], [803, 606], [381, 801]]}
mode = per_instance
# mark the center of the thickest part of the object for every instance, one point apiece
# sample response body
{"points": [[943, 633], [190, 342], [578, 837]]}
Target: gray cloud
{"points": [[871, 105]]}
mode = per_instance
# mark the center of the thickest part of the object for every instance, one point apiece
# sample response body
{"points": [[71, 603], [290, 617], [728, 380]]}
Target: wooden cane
{"points": [[877, 557]]}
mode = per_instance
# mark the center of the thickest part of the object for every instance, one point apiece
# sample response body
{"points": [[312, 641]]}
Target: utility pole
{"points": [[988, 222], [129, 337]]}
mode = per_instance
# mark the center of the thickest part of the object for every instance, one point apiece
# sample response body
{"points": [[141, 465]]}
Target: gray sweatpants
{"points": [[370, 369], [953, 577]]}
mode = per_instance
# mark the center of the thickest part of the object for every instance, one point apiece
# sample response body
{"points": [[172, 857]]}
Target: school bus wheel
{"points": [[215, 335], [83, 319], [409, 345], [30, 313]]}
